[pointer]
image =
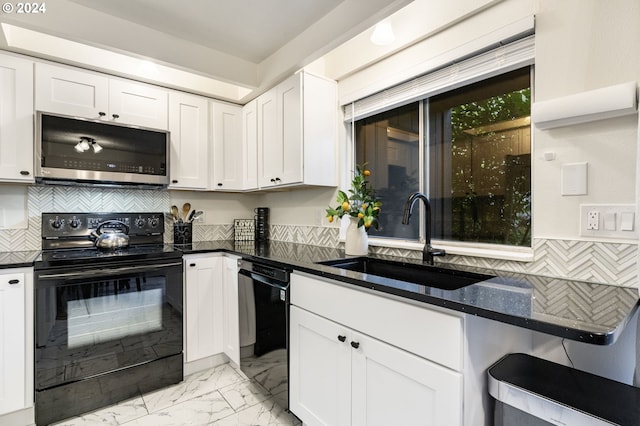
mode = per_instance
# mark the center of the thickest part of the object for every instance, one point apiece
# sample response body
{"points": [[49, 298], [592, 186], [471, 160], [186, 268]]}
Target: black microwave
{"points": [[77, 150]]}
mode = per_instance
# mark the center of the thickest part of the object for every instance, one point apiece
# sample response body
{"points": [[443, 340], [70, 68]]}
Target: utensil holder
{"points": [[182, 233]]}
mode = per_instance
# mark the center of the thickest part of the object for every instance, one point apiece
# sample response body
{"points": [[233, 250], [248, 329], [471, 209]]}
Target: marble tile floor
{"points": [[218, 396]]}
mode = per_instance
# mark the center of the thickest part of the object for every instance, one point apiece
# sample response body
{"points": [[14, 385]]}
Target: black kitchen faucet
{"points": [[428, 252]]}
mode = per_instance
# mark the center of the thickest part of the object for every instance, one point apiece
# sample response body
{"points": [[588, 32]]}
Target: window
{"points": [[389, 144], [476, 146]]}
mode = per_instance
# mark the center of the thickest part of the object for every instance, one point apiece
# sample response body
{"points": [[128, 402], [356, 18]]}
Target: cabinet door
{"points": [[228, 164], [188, 124], [203, 307], [138, 104], [16, 119], [231, 332], [70, 91], [290, 129], [13, 333], [250, 145], [319, 370], [269, 142], [391, 386]]}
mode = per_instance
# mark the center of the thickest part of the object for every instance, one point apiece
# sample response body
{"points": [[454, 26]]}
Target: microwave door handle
{"points": [[105, 272]]}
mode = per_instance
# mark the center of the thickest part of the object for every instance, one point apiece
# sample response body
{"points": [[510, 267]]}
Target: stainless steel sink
{"points": [[431, 276]]}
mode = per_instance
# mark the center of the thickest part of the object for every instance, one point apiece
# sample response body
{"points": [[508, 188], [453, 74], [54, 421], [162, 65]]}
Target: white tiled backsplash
{"points": [[612, 263]]}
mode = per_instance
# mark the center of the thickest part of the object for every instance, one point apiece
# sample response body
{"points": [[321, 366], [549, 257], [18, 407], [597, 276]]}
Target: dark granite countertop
{"points": [[586, 312], [581, 311], [18, 259]]}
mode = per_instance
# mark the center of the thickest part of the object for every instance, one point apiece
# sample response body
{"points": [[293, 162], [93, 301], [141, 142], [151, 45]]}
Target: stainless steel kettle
{"points": [[111, 239]]}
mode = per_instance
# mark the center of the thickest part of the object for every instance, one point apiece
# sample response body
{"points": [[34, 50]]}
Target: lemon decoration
{"points": [[361, 202]]}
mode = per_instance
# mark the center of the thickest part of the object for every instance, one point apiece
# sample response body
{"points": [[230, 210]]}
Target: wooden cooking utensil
{"points": [[174, 213], [186, 208]]}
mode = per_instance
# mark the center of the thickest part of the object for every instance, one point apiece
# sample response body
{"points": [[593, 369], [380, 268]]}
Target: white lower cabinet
{"points": [[203, 306], [16, 340], [231, 320], [392, 386], [341, 376], [210, 306], [319, 370]]}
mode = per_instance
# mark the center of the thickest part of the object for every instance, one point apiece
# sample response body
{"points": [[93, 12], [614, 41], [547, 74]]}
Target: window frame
{"points": [[522, 56]]}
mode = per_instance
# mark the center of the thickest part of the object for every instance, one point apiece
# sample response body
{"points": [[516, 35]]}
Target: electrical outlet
{"points": [[609, 221], [593, 220]]}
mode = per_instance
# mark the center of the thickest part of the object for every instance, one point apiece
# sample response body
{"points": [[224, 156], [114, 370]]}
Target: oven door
{"points": [[93, 320]]}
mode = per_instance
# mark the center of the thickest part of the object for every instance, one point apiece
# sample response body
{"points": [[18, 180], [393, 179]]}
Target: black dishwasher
{"points": [[263, 302]]}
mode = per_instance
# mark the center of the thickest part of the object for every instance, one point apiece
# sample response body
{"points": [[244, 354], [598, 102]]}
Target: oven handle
{"points": [[263, 279], [106, 271]]}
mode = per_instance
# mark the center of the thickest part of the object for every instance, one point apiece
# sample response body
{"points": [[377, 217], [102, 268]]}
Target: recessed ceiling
{"points": [[249, 29], [250, 44]]}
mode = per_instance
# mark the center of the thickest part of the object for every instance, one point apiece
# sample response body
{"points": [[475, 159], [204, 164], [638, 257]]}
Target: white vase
{"points": [[356, 241]]}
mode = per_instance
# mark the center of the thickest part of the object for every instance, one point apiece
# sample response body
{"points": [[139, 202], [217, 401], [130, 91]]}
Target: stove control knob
{"points": [[153, 222], [140, 222], [57, 223], [74, 223]]}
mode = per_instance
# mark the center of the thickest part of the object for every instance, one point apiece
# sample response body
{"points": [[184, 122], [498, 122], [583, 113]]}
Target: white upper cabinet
{"points": [[228, 153], [92, 95], [189, 128], [250, 145], [71, 91], [16, 119], [139, 104], [297, 132], [269, 143]]}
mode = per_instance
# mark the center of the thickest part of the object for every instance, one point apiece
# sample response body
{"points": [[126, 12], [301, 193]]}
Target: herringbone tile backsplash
{"points": [[581, 260]]}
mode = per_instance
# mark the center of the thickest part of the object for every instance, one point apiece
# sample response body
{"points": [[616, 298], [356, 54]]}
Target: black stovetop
{"points": [[84, 257], [68, 241]]}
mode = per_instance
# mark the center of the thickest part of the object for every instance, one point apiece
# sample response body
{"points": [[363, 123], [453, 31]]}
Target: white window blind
{"points": [[484, 65]]}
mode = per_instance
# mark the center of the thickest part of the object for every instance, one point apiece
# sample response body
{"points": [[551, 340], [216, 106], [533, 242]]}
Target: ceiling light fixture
{"points": [[382, 34]]}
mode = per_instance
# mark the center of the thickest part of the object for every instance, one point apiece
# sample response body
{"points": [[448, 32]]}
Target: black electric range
{"points": [[108, 321]]}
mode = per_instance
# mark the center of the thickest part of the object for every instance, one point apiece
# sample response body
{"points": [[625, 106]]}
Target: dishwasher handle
{"points": [[264, 279]]}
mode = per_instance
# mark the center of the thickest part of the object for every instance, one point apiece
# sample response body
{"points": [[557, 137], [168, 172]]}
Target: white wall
{"points": [[220, 208], [580, 45], [584, 45]]}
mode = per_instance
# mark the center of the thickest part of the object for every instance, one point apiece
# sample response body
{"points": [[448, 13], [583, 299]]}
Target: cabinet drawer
{"points": [[425, 332]]}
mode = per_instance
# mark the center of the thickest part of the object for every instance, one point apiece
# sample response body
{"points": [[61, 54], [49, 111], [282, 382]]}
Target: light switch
{"points": [[574, 179], [626, 221], [610, 221]]}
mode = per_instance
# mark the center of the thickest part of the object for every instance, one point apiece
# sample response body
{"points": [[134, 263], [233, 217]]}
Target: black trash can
{"points": [[530, 391]]}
